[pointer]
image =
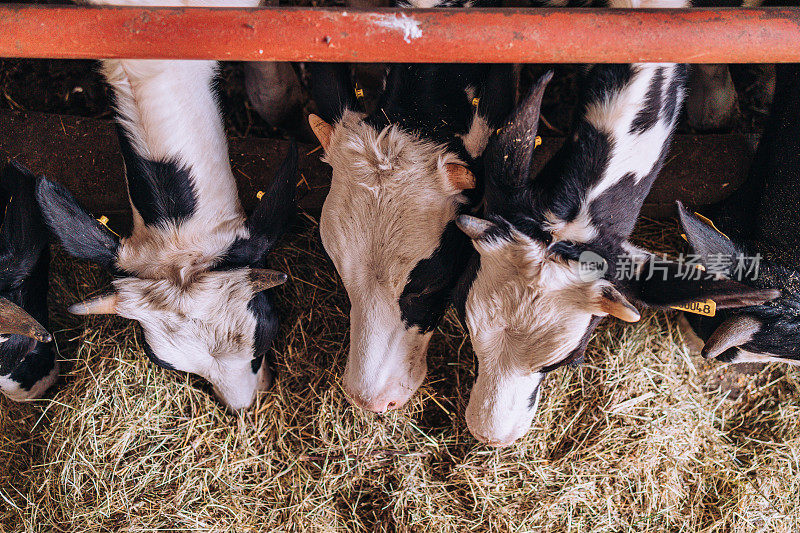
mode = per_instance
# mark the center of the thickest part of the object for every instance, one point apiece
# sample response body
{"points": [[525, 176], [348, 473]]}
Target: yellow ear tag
{"points": [[537, 142], [475, 102], [702, 307], [359, 91], [259, 195], [104, 221]]}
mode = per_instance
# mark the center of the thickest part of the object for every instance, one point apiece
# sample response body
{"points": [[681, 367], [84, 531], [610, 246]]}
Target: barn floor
{"points": [[637, 439]]}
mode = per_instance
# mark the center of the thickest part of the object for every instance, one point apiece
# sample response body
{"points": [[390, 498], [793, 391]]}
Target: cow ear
{"points": [[735, 331], [272, 216], [322, 130], [612, 302], [459, 177], [510, 152], [81, 235], [704, 238], [475, 228], [662, 283], [16, 321], [24, 235], [332, 89]]}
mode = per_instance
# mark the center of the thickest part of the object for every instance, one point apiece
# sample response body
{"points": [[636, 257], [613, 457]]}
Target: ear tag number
{"points": [[702, 307], [259, 195]]}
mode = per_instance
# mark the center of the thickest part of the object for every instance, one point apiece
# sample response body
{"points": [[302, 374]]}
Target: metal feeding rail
{"points": [[759, 35]]}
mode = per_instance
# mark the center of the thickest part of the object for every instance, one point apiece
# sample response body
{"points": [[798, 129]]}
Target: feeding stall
{"points": [[635, 440]]}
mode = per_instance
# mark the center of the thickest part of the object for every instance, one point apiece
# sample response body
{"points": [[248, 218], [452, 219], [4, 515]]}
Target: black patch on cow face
{"points": [[461, 292], [148, 351], [81, 235], [161, 191], [780, 331], [648, 115], [533, 397], [564, 181], [24, 236], [263, 308], [431, 282], [602, 80]]}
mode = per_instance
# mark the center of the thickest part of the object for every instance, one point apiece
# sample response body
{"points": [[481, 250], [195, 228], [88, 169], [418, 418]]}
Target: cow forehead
{"points": [[178, 252], [525, 310], [213, 297], [192, 327], [389, 202]]}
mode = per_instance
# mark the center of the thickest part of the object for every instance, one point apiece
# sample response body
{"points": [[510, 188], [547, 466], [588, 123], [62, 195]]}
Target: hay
{"points": [[632, 441]]}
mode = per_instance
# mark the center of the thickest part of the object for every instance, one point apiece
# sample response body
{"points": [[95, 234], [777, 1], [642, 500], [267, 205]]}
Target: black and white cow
{"points": [[28, 366], [526, 304], [401, 175], [192, 270], [760, 218]]}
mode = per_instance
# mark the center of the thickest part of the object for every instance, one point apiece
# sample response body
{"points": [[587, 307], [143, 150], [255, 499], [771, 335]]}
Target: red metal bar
{"points": [[390, 35]]}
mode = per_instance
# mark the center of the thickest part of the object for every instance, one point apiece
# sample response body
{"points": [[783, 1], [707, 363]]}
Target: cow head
{"points": [[760, 332], [27, 363], [197, 289], [529, 300], [400, 178]]}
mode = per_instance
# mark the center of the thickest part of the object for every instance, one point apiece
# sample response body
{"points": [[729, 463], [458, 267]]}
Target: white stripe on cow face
{"points": [[388, 206]]}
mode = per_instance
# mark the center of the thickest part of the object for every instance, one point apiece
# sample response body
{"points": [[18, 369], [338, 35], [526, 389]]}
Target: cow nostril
{"points": [[391, 405]]}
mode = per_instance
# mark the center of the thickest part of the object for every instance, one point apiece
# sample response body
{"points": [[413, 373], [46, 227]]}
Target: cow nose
{"points": [[380, 404], [495, 442]]}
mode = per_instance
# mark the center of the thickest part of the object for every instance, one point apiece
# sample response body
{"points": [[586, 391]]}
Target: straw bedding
{"points": [[637, 439]]}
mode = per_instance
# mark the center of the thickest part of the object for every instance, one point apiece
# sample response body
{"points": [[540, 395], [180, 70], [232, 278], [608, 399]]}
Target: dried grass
{"points": [[631, 441]]}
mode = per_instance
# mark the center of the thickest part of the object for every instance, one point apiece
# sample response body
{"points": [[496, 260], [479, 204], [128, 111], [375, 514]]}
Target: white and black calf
{"points": [[526, 304], [28, 366], [759, 220], [191, 272], [401, 176]]}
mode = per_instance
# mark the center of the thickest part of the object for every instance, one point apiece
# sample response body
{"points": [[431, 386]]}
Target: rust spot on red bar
{"points": [[395, 35]]}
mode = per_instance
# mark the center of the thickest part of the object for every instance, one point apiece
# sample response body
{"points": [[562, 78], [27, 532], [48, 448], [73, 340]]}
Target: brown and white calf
{"points": [[401, 176], [191, 272], [526, 305]]}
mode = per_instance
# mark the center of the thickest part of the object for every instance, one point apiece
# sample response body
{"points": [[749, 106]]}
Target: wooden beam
{"points": [[83, 154], [753, 35]]}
